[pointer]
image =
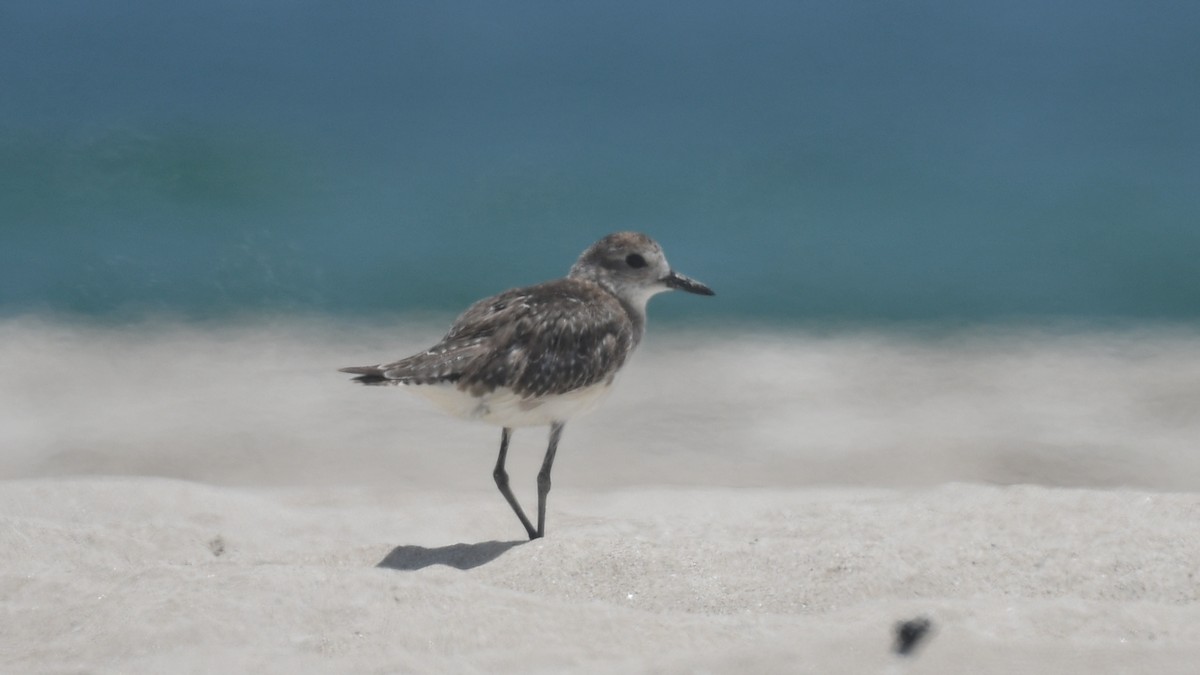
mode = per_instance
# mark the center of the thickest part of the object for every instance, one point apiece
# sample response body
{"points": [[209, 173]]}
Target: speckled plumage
{"points": [[540, 340], [537, 355]]}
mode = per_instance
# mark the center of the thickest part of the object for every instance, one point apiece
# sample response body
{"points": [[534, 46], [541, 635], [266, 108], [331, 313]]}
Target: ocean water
{"points": [[813, 162]]}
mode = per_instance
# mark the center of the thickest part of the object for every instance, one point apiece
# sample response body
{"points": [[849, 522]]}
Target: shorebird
{"points": [[539, 355]]}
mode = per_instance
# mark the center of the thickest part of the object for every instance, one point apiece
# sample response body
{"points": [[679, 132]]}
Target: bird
{"points": [[539, 355]]}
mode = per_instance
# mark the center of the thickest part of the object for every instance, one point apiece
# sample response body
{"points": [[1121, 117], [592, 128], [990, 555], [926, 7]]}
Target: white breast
{"points": [[503, 407]]}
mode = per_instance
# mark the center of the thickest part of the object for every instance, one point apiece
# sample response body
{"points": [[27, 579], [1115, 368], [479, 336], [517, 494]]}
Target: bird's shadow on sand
{"points": [[459, 556]]}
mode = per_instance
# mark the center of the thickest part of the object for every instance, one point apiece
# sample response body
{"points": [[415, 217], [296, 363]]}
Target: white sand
{"points": [[218, 500]]}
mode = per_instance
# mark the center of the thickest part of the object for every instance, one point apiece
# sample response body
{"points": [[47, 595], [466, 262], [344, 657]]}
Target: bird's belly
{"points": [[503, 407]]}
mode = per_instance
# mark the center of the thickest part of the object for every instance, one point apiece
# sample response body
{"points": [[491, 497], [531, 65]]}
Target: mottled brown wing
{"points": [[440, 363], [546, 339]]}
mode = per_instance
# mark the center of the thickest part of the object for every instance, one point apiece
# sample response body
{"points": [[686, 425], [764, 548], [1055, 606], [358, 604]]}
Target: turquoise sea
{"points": [[812, 161]]}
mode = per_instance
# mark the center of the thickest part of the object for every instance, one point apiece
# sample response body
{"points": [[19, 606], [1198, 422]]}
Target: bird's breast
{"points": [[504, 407]]}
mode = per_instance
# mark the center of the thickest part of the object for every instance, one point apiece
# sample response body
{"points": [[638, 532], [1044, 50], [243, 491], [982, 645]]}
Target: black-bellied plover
{"points": [[536, 356]]}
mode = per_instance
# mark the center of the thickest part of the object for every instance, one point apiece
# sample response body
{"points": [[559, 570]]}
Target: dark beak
{"points": [[680, 282]]}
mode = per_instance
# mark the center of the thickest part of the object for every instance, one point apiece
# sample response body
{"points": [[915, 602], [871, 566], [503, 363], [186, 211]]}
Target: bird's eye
{"points": [[634, 260]]}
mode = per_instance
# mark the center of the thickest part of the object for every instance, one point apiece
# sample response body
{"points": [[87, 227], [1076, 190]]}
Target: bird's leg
{"points": [[543, 482], [501, 477]]}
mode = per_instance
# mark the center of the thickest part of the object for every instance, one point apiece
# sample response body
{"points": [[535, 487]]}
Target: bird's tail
{"points": [[366, 374]]}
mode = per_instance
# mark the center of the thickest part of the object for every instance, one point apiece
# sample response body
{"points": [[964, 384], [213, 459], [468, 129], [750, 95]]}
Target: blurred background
{"points": [[812, 161], [952, 241]]}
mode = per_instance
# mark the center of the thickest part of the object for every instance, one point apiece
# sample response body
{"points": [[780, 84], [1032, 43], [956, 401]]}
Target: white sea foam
{"points": [[261, 403]]}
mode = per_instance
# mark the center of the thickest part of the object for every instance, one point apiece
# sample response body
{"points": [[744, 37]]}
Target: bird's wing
{"points": [[441, 363], [547, 339]]}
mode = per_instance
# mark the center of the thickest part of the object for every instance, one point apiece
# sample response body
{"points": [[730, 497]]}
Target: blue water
{"points": [[810, 160]]}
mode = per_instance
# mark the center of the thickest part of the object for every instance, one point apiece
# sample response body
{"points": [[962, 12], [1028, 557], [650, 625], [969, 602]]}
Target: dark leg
{"points": [[501, 477], [556, 430]]}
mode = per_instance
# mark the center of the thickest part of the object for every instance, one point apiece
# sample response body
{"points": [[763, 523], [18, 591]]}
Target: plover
{"points": [[539, 355]]}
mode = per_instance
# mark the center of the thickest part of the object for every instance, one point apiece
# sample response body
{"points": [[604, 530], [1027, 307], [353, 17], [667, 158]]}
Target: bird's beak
{"points": [[680, 282]]}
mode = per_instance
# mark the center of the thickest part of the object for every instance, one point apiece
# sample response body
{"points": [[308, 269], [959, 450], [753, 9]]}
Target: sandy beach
{"points": [[183, 498]]}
